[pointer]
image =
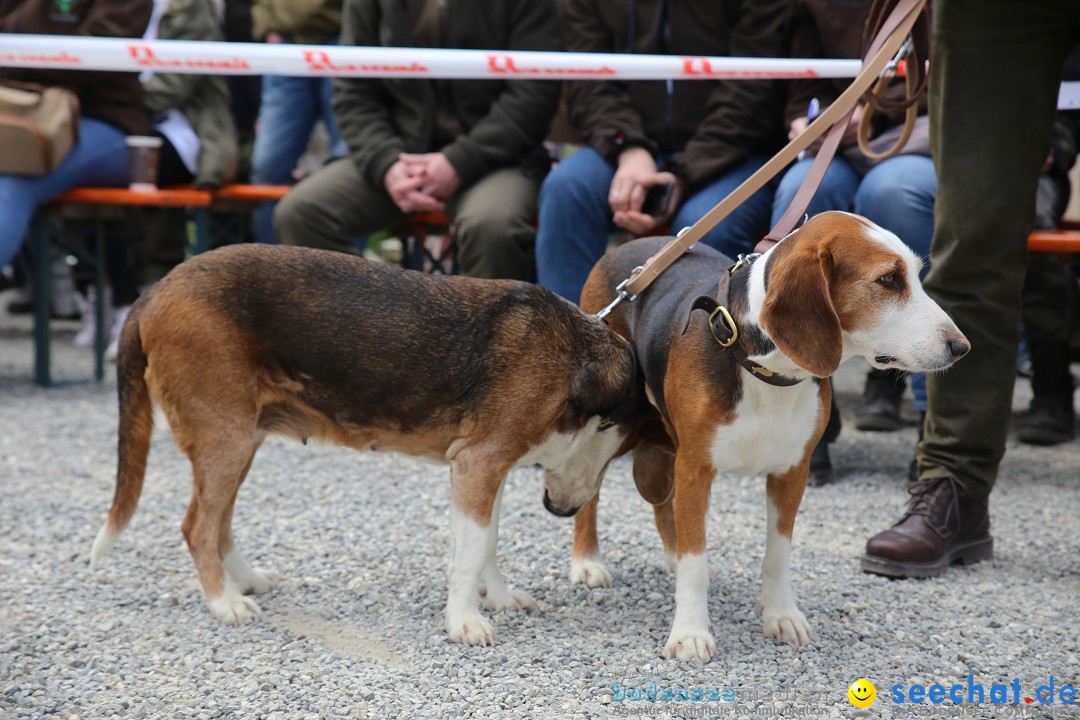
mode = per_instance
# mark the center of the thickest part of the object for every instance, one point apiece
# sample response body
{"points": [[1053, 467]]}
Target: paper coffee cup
{"points": [[144, 151]]}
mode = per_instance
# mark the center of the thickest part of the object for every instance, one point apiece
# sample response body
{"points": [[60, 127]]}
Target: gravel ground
{"points": [[355, 630]]}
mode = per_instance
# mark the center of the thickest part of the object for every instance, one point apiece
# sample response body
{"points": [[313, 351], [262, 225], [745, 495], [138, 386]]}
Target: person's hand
{"points": [[640, 223], [635, 175], [403, 181], [798, 127], [851, 132], [274, 37], [439, 178], [635, 167]]}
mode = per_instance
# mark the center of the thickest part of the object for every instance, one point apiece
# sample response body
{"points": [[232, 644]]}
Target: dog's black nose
{"points": [[958, 347], [561, 512]]}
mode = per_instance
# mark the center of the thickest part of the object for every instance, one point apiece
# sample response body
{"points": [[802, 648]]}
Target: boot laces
{"points": [[926, 495]]}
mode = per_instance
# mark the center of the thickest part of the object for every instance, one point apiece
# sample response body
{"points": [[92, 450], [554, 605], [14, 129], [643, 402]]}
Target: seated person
{"points": [[191, 114], [111, 106], [896, 193], [291, 106], [470, 148], [704, 137], [1050, 297]]}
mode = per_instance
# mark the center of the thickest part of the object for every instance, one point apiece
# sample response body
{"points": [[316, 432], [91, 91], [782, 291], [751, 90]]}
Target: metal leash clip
{"points": [[894, 64], [621, 294]]}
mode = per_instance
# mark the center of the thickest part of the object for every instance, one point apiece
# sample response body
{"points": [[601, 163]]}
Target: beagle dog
{"points": [[485, 375], [746, 390]]}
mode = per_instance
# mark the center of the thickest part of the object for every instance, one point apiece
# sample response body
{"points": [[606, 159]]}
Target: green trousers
{"points": [[492, 218], [995, 71]]}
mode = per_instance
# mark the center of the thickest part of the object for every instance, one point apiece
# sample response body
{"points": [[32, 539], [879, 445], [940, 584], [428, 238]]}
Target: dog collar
{"points": [[632, 400], [726, 332]]}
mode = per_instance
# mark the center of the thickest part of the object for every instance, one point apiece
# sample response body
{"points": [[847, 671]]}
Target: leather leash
{"points": [[880, 61]]}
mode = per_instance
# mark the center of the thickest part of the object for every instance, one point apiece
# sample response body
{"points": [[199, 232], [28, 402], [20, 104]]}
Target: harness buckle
{"points": [[727, 321]]}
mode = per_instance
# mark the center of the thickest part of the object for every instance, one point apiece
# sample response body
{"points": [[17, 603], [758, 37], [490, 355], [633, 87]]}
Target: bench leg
{"points": [[203, 241], [100, 336], [42, 274]]}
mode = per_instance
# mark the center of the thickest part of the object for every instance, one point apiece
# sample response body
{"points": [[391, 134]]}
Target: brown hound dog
{"points": [[485, 375], [837, 287]]}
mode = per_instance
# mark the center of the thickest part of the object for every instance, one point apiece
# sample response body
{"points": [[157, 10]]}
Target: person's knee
{"points": [[298, 221], [496, 245], [560, 187]]}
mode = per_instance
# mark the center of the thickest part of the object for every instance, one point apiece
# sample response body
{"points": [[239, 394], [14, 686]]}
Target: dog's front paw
{"points": [[590, 572], [787, 624], [471, 630], [506, 599], [233, 608], [258, 582], [690, 645]]}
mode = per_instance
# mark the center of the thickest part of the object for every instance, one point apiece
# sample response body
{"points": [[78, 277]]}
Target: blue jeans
{"points": [[575, 219], [100, 158], [289, 110], [897, 194]]}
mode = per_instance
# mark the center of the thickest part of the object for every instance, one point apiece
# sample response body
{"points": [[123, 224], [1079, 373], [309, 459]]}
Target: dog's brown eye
{"points": [[890, 281]]}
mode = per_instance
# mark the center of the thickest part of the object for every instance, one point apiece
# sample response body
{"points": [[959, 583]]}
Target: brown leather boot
{"points": [[941, 526]]}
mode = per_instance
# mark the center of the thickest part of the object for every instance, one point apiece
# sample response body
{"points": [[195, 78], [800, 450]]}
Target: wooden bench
{"points": [[217, 221], [217, 218]]}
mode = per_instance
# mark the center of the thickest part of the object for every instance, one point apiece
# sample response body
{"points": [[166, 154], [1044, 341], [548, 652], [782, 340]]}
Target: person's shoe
{"points": [[821, 470], [1049, 421], [941, 526], [22, 303], [879, 410], [84, 338]]}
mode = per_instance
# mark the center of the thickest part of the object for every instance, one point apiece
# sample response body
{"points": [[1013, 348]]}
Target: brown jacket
{"points": [[831, 29], [113, 97], [715, 124]]}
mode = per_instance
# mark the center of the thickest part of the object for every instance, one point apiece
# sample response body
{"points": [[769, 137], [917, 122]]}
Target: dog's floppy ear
{"points": [[798, 313]]}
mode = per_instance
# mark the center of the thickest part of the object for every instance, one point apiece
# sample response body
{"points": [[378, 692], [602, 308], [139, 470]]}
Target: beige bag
{"points": [[38, 126]]}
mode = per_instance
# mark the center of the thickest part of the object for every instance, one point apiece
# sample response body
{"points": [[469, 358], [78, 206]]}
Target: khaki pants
{"points": [[999, 62], [492, 220]]}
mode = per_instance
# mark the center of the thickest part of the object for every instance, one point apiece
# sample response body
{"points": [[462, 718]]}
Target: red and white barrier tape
{"points": [[219, 58]]}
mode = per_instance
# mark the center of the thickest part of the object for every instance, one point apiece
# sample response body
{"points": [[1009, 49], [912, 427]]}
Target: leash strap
{"points": [[889, 41]]}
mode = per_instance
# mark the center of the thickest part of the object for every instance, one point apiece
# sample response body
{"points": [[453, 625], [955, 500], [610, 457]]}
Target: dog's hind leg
{"points": [[779, 611], [587, 564], [246, 578], [219, 459], [494, 594], [475, 480]]}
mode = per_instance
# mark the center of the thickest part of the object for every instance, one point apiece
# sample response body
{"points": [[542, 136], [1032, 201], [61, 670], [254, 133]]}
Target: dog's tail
{"points": [[136, 425]]}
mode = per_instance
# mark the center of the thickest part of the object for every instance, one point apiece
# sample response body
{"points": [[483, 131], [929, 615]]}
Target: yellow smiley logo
{"points": [[862, 693]]}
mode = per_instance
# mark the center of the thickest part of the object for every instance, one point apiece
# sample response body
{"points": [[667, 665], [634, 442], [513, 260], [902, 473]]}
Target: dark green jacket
{"points": [[504, 122], [203, 99], [307, 22]]}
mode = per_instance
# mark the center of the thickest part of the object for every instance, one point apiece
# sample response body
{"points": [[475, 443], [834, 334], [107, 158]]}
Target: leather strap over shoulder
{"points": [[883, 50]]}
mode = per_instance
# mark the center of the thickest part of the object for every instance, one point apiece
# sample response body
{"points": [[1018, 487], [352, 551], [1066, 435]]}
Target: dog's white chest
{"points": [[771, 429]]}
